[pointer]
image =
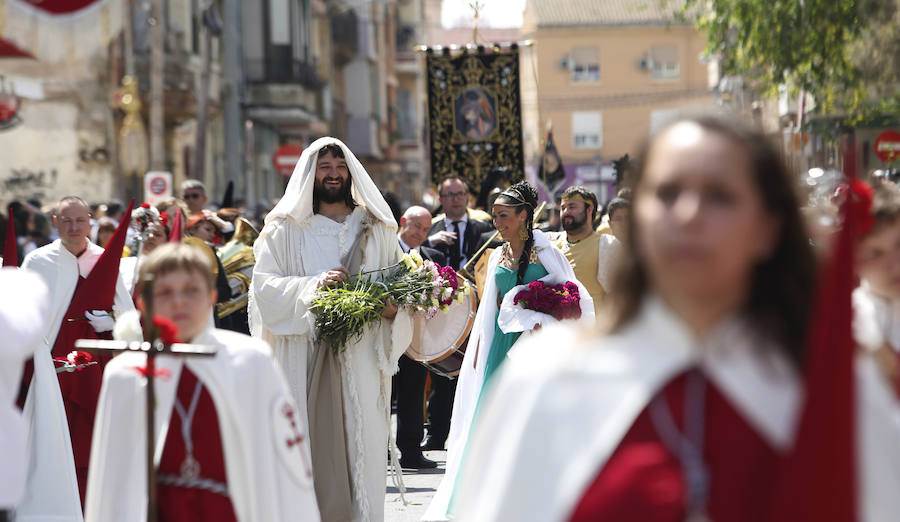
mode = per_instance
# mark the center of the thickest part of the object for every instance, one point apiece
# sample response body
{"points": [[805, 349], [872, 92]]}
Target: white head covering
{"points": [[297, 202]]}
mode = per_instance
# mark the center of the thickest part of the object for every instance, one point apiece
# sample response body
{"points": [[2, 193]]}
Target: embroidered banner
{"points": [[474, 116]]}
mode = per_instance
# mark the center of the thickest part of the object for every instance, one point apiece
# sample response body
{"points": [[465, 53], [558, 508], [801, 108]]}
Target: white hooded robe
{"points": [[293, 250]]}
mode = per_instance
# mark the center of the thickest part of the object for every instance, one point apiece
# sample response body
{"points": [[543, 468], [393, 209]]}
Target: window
{"points": [[587, 130], [664, 62], [585, 64], [279, 22], [406, 117]]}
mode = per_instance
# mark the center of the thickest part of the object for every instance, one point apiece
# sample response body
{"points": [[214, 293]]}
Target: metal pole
{"points": [[199, 168], [157, 87], [233, 75]]}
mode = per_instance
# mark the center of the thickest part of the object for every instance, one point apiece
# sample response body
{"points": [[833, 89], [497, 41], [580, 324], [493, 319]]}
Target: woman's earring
{"points": [[523, 232]]}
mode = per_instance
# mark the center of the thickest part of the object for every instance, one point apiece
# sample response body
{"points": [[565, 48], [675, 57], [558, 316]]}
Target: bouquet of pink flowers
{"points": [[562, 301], [424, 286]]}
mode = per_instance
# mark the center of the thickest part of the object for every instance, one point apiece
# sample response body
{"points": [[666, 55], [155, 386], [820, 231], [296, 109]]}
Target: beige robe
{"points": [[289, 262]]}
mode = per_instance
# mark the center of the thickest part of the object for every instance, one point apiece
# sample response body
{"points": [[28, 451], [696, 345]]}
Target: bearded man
{"points": [[332, 222], [590, 253]]}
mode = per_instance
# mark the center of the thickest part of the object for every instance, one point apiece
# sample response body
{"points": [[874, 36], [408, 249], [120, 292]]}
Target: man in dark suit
{"points": [[457, 235], [410, 380]]}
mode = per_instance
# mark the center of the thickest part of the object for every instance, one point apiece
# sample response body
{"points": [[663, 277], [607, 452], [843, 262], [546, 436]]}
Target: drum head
{"points": [[445, 332]]}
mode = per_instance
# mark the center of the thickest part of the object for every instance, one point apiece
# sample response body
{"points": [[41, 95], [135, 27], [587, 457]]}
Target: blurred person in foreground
{"points": [[233, 445], [24, 303], [688, 409]]}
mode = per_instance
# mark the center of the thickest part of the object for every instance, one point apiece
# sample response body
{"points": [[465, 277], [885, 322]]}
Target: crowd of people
{"points": [[681, 389]]}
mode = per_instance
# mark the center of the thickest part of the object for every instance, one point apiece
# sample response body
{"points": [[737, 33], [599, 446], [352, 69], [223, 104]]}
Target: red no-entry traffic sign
{"points": [[286, 157], [887, 146]]}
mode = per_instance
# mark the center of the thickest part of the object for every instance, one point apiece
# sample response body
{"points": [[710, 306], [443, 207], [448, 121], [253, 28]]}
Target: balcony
{"points": [[285, 71], [345, 36]]}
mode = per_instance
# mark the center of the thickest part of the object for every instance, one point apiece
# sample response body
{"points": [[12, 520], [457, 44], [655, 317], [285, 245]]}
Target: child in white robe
{"points": [[230, 442]]}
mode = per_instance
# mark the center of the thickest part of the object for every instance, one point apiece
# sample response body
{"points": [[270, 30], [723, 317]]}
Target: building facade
{"points": [[603, 75]]}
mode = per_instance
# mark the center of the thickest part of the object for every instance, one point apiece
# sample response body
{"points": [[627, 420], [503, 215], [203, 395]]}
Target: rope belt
{"points": [[181, 481]]}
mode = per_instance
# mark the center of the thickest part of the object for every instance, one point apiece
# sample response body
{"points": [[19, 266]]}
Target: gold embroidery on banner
{"points": [[475, 122]]}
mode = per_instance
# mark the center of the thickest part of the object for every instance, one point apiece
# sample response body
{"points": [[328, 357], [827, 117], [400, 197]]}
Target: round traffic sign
{"points": [[158, 185], [286, 158], [887, 146]]}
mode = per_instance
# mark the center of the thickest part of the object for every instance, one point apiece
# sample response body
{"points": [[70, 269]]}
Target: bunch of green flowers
{"points": [[344, 310]]}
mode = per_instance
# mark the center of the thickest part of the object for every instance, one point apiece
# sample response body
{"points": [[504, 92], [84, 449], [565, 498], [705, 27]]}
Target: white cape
{"points": [[268, 480], [51, 493], [471, 376], [24, 304], [554, 421]]}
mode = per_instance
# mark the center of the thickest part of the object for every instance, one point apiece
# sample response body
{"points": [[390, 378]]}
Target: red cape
{"points": [[80, 390]]}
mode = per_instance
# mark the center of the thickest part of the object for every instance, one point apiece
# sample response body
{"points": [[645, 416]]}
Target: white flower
{"points": [[128, 327], [409, 262], [448, 291], [414, 254]]}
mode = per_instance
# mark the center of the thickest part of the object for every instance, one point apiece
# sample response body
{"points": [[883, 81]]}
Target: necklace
{"points": [[190, 468], [687, 446], [509, 261]]}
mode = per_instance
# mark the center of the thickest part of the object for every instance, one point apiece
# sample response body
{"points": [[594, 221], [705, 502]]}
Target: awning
{"points": [[60, 30]]}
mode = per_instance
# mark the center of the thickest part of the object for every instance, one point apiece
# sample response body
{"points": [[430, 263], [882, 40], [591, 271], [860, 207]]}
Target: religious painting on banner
{"points": [[474, 113]]}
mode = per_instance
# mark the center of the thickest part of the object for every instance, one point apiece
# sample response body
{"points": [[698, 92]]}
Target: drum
{"points": [[440, 343]]}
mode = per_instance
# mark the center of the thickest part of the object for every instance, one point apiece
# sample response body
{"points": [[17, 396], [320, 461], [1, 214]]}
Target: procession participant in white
{"points": [[525, 256], [24, 303], [230, 443], [332, 222], [60, 408], [688, 409]]}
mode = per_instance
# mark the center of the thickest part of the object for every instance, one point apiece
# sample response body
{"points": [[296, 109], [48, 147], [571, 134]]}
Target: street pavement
{"points": [[420, 488]]}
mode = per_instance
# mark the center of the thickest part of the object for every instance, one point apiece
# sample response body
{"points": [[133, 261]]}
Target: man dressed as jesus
{"points": [[332, 222]]}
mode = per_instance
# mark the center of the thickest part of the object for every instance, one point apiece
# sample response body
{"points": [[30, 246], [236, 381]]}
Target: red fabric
{"points": [[175, 234], [10, 253], [819, 479], [177, 504], [10, 50], [81, 390], [643, 481], [61, 7]]}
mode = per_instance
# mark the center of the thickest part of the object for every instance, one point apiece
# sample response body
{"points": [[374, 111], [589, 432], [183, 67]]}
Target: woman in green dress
{"points": [[526, 256]]}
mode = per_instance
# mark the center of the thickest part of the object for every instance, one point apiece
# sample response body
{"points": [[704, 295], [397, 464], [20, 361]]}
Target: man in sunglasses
{"points": [[194, 195]]}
